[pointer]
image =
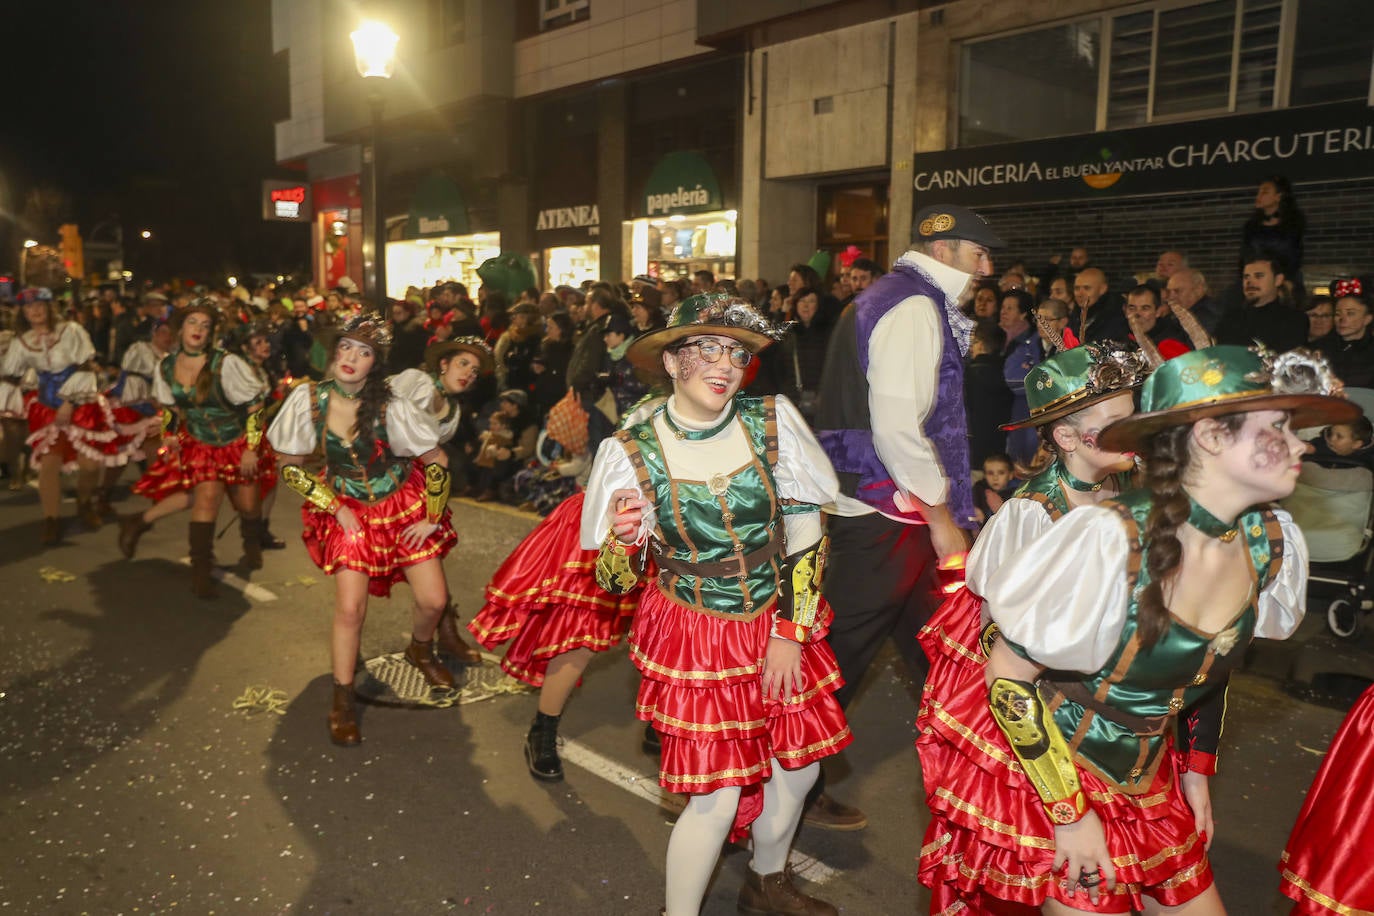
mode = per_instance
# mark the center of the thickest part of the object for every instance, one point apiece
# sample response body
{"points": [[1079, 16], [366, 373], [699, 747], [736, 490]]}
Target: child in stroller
{"points": [[1333, 504]]}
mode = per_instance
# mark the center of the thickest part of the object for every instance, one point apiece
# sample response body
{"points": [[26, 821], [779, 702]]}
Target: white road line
{"points": [[250, 591], [646, 786]]}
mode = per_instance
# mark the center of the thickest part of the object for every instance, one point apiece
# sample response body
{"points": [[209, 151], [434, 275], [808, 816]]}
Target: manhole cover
{"points": [[390, 680]]}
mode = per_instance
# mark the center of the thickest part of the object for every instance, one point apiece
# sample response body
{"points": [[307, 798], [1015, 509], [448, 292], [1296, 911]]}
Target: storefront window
{"points": [[426, 262], [673, 247], [1332, 52], [569, 265]]}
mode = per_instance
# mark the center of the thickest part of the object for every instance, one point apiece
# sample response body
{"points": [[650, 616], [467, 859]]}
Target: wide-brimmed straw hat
{"points": [[444, 349], [705, 313], [1219, 381], [1074, 380]]}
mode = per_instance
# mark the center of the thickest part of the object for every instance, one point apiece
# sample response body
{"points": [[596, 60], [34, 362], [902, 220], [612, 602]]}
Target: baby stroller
{"points": [[1334, 507]]}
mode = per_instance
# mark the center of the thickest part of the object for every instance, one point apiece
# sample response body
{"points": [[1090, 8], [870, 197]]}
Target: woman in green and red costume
{"points": [[725, 492], [211, 442], [1064, 786], [1072, 396], [377, 513]]}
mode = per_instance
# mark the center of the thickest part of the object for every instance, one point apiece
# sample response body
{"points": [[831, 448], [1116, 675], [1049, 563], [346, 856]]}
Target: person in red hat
{"points": [[377, 513]]}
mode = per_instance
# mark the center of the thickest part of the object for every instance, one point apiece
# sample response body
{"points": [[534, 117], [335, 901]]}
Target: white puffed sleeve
{"points": [[610, 472], [240, 381], [1065, 600], [14, 364], [410, 430], [291, 431], [1011, 527], [803, 474], [162, 391], [74, 348], [140, 363], [1283, 603], [417, 387]]}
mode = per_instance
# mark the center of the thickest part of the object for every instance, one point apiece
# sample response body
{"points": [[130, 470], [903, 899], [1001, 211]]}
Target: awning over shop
{"points": [[437, 209], [682, 182]]}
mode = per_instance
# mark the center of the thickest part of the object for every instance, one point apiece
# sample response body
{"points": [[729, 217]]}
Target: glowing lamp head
{"points": [[374, 49]]}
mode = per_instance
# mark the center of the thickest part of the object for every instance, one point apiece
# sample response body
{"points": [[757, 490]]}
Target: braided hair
{"points": [[1166, 466]]}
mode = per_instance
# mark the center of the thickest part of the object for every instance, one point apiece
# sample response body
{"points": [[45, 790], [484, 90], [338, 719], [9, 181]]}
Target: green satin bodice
{"points": [[215, 421], [1182, 668], [365, 477], [728, 516]]}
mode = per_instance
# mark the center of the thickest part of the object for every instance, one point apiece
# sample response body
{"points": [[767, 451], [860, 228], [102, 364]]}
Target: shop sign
{"points": [[682, 182], [1318, 143], [285, 201], [586, 216], [438, 208]]}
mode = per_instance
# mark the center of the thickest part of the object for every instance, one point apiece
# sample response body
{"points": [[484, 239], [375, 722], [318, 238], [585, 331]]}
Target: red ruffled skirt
{"points": [[137, 427], [703, 691], [990, 844], [195, 462], [376, 549], [544, 599], [1325, 865], [91, 434]]}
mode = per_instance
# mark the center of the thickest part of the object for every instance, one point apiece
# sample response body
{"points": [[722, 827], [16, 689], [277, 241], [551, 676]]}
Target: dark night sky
{"points": [[160, 111]]}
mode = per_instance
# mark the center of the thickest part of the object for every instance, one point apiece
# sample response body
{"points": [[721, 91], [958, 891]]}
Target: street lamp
{"points": [[146, 233], [30, 243], [374, 53]]}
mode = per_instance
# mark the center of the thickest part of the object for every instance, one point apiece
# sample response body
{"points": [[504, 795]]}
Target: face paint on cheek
{"points": [[1271, 451], [688, 365]]}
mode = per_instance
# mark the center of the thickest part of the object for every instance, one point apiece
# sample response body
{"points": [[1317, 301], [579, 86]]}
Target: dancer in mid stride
{"points": [[1061, 785], [725, 492], [378, 511], [545, 601], [212, 428]]}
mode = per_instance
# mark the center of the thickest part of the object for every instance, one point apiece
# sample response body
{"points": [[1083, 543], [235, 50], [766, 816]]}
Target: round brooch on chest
{"points": [[718, 484]]}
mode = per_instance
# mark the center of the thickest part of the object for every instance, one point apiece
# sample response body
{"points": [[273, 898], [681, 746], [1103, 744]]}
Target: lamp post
{"points": [[374, 54]]}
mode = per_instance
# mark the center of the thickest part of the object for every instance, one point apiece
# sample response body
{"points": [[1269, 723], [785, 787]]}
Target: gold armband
{"points": [[255, 427], [313, 488], [1041, 748], [799, 592], [437, 482], [169, 421], [988, 638], [615, 569]]}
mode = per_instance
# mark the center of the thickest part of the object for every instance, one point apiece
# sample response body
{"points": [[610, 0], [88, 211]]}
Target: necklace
{"points": [[347, 396], [188, 352], [696, 435], [1082, 486], [1209, 524]]}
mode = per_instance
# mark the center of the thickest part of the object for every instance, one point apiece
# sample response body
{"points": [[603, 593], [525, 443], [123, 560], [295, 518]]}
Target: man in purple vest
{"points": [[891, 420]]}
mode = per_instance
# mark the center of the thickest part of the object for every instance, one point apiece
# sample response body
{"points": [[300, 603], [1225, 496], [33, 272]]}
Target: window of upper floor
{"points": [[1168, 60]]}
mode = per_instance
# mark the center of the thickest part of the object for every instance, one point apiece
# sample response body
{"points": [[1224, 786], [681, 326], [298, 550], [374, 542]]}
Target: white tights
{"points": [[701, 829]]}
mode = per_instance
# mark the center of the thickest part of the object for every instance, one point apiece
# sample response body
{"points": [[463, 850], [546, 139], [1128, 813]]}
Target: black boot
{"points": [[652, 743], [269, 540], [541, 749], [202, 537], [251, 530]]}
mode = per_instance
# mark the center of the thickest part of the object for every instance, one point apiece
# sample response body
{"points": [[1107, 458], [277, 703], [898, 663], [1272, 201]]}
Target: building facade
{"points": [[610, 138]]}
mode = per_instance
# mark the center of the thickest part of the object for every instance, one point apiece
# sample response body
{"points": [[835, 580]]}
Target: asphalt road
{"points": [[132, 784]]}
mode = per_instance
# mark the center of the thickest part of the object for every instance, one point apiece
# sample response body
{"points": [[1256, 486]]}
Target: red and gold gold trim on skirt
{"points": [[1325, 865], [179, 470], [544, 599], [702, 690], [989, 841], [376, 548], [91, 435]]}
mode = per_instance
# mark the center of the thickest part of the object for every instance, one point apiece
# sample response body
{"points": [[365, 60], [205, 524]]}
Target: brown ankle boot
{"points": [[86, 511], [776, 895], [421, 655], [52, 532], [251, 529], [202, 536], [343, 717], [452, 642], [131, 528], [102, 503]]}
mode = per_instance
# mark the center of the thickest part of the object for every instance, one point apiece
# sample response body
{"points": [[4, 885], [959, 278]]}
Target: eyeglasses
{"points": [[711, 351]]}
